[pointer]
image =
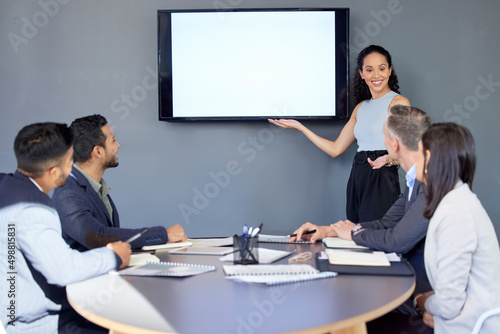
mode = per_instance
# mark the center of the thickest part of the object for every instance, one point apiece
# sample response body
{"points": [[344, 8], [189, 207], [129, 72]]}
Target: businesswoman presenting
{"points": [[373, 185], [462, 256]]}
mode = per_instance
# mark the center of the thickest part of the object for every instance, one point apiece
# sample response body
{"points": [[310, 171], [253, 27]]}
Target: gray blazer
{"points": [[462, 258]]}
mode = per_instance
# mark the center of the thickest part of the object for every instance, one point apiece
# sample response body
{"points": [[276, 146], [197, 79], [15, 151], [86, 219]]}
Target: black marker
{"points": [[306, 232]]}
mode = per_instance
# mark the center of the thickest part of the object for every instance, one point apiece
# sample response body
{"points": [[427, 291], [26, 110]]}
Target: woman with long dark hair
{"points": [[462, 256], [374, 183]]}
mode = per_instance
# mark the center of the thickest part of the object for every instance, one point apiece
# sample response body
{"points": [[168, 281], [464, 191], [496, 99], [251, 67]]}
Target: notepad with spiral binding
{"points": [[168, 269], [281, 279], [276, 269]]}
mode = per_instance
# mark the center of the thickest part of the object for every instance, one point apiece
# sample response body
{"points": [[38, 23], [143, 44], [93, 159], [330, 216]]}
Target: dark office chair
{"points": [[397, 323]]}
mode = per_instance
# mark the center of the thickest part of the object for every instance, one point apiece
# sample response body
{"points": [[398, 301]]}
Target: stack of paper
{"points": [[170, 245], [357, 257], [213, 242], [336, 242]]}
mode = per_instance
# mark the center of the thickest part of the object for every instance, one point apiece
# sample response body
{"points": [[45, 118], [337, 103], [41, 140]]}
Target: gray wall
{"points": [[66, 59]]}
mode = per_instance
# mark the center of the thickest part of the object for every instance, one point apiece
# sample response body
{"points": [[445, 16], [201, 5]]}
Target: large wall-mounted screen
{"points": [[253, 64]]}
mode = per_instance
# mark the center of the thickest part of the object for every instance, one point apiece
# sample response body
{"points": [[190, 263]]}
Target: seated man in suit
{"points": [[88, 215], [403, 228], [36, 262]]}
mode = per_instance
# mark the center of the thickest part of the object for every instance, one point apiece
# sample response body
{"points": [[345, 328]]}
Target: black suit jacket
{"points": [[401, 230], [86, 223]]}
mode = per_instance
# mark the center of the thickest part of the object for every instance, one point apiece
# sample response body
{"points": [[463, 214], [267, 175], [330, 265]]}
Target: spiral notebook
{"points": [[274, 274], [169, 269], [138, 259], [276, 279], [275, 269]]}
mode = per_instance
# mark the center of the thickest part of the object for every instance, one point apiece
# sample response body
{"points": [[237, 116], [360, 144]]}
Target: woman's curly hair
{"points": [[360, 89]]}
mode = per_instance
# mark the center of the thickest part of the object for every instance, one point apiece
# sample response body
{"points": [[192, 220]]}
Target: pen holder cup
{"points": [[246, 250]]}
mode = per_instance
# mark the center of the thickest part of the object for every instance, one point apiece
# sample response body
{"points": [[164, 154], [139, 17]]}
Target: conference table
{"points": [[210, 303]]}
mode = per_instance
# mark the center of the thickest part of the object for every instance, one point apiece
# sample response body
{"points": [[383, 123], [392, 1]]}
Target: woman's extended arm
{"points": [[332, 148]]}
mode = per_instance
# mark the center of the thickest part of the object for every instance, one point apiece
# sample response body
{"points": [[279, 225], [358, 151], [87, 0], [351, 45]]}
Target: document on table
{"points": [[264, 255], [281, 279], [165, 269], [203, 250], [169, 245], [280, 239], [269, 269], [142, 258], [214, 242], [336, 242]]}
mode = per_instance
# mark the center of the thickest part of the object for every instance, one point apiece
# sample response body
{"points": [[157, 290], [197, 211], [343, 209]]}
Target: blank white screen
{"points": [[231, 64]]}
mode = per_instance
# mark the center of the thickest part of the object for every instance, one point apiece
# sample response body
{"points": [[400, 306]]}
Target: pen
{"points": [[137, 235], [306, 232]]}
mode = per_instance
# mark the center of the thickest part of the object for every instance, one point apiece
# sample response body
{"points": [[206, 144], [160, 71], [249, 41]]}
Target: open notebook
{"points": [[171, 269]]}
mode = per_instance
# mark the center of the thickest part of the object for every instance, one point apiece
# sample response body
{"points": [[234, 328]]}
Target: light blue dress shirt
{"points": [[36, 230], [411, 175]]}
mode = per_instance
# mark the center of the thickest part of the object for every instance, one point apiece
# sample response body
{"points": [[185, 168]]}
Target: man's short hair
{"points": [[41, 146], [408, 124], [88, 134]]}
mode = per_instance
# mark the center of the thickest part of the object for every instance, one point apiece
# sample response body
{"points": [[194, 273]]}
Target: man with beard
{"points": [[37, 263], [88, 215]]}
